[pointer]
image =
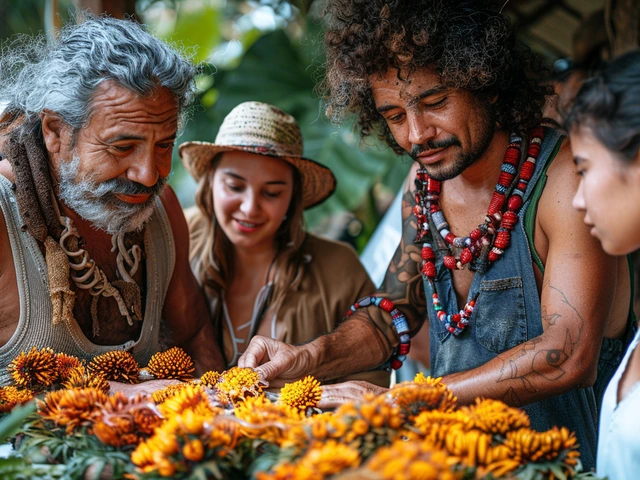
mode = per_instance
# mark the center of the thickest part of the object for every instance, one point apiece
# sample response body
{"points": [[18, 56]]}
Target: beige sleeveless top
{"points": [[35, 326]]}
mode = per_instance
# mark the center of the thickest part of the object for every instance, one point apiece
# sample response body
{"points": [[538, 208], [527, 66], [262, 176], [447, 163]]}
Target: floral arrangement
{"points": [[226, 425]]}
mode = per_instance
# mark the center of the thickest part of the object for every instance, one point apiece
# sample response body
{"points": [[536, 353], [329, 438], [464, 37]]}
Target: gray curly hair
{"points": [[62, 75]]}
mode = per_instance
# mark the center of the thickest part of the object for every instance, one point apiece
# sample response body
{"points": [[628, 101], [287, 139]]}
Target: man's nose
{"points": [[146, 167], [420, 128]]}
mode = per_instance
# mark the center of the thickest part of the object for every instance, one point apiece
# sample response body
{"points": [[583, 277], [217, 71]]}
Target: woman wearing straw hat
{"points": [[262, 273], [604, 122]]}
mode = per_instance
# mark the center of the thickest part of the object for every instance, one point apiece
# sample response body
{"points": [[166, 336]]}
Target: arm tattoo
{"points": [[547, 363], [403, 281]]}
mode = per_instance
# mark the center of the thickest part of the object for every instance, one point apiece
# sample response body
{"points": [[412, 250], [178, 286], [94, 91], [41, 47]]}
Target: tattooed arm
{"points": [[366, 339], [578, 290]]}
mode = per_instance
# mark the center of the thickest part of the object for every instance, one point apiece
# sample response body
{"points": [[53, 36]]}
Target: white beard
{"points": [[97, 203]]}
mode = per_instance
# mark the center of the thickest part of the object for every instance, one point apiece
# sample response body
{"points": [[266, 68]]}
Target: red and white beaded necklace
{"points": [[490, 238]]}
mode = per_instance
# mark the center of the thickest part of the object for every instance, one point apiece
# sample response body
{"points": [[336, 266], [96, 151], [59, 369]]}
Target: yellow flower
{"points": [[172, 363], [166, 393], [210, 379], [117, 365], [10, 396], [302, 395], [290, 472], [236, 384], [79, 378], [412, 460], [265, 419], [414, 398], [71, 408], [189, 397], [494, 416], [330, 458], [34, 370], [65, 364]]}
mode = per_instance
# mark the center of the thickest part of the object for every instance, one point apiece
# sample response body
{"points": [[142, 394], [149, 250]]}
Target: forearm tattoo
{"points": [[529, 364]]}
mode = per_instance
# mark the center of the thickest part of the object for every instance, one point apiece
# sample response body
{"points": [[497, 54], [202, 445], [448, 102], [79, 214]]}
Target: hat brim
{"points": [[318, 182]]}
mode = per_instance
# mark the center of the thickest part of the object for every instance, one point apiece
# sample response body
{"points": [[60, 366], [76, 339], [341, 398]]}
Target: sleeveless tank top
{"points": [[507, 314], [35, 328]]}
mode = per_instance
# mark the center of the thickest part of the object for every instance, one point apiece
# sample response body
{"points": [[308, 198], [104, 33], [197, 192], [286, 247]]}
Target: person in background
{"points": [[604, 125], [262, 273]]}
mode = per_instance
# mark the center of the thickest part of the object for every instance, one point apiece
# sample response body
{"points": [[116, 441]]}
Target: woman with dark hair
{"points": [[604, 122], [262, 273]]}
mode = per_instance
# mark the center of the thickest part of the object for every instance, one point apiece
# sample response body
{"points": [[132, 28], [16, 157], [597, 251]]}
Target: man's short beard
{"points": [[97, 203], [462, 160]]}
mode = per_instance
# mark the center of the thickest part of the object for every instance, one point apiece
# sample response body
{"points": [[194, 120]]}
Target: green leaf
{"points": [[12, 423]]}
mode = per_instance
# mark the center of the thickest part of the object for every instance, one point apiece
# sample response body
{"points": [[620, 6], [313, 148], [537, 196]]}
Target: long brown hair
{"points": [[210, 251]]}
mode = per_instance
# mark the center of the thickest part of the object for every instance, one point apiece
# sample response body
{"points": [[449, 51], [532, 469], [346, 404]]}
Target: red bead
{"points": [[503, 239], [534, 150], [475, 234], [493, 256], [497, 200], [386, 305], [466, 256], [513, 154], [421, 175], [450, 238], [505, 179], [450, 262], [417, 210], [509, 220], [433, 186], [456, 317], [427, 253], [515, 202], [429, 269], [527, 170], [403, 348], [451, 329], [434, 208], [396, 364], [418, 199]]}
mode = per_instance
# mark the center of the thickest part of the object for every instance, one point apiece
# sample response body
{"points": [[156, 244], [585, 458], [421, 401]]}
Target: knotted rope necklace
{"points": [[487, 242]]}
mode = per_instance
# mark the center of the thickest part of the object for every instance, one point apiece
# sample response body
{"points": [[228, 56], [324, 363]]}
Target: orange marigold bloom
{"points": [[34, 370], [117, 365], [189, 397], [210, 379], [237, 383], [79, 378], [302, 395], [10, 396], [65, 364], [166, 393], [267, 420], [414, 398], [172, 363], [494, 416], [330, 458], [71, 408]]}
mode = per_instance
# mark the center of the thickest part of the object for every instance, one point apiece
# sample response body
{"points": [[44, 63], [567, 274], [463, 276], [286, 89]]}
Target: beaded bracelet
{"points": [[399, 323]]}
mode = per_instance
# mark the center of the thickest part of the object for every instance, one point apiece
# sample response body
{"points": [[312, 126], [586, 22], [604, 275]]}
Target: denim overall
{"points": [[507, 314]]}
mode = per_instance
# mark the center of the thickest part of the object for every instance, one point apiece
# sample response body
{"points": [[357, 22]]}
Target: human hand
{"points": [[335, 395], [144, 388], [277, 362]]}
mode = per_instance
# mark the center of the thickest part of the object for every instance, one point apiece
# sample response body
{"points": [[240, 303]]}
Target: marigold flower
{"points": [[34, 370], [10, 396], [189, 397], [166, 393], [71, 408], [210, 379], [237, 383], [266, 420], [79, 378], [65, 364], [172, 363], [494, 416], [302, 395], [117, 365], [414, 398], [331, 457]]}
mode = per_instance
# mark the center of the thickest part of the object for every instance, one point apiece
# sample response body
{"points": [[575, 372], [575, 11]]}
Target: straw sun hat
{"points": [[263, 129]]}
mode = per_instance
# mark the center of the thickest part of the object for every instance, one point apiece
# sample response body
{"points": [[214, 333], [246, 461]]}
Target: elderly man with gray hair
{"points": [[94, 250]]}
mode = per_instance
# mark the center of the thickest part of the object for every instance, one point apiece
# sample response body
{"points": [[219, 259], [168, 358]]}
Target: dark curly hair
{"points": [[469, 43], [609, 104]]}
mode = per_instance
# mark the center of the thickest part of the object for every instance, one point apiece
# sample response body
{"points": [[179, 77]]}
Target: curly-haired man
{"points": [[518, 307], [94, 255]]}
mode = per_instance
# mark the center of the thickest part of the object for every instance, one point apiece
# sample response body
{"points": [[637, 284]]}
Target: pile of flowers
{"points": [[227, 425]]}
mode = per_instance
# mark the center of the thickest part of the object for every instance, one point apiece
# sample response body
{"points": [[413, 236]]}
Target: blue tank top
{"points": [[507, 314]]}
